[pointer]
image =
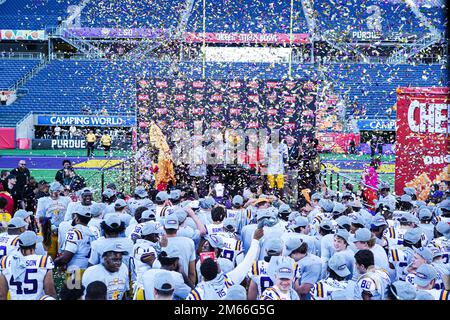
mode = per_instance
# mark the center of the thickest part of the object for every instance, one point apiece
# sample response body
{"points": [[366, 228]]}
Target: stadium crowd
{"points": [[173, 244]]}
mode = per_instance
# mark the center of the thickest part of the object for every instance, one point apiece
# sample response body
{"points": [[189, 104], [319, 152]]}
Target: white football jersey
{"points": [[323, 289], [32, 285], [375, 281], [78, 241], [8, 243], [214, 228], [260, 275], [231, 249], [142, 248]]}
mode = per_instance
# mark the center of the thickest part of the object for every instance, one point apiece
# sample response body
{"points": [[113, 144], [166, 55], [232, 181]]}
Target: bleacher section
{"points": [[33, 14], [247, 16], [13, 70], [132, 14], [372, 87], [347, 16], [71, 86]]}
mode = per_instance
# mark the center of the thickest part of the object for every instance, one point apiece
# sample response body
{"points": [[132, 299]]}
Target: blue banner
{"points": [[376, 125], [89, 121]]}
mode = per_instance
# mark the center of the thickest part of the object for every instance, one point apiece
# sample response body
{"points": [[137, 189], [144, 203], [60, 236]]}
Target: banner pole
{"points": [[204, 40], [290, 39]]}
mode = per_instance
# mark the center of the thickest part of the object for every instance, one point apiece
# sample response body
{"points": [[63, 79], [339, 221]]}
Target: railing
{"points": [[22, 55], [29, 75]]}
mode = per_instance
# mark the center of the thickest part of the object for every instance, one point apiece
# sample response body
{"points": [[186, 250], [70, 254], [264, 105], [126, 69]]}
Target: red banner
{"points": [[7, 137], [336, 142], [216, 37], [422, 139]]}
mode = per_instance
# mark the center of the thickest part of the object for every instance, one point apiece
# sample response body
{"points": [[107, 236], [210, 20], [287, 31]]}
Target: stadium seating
{"points": [[247, 16], [13, 70], [33, 14], [344, 16], [373, 86], [132, 14], [71, 86]]}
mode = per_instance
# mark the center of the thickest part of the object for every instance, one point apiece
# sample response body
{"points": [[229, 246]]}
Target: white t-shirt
{"points": [[54, 209], [117, 283]]}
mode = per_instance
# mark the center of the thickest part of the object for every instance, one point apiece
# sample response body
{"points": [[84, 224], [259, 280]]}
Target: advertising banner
{"points": [[89, 121], [422, 149], [7, 136], [46, 144], [117, 33], [217, 37], [22, 34], [376, 125], [336, 142]]}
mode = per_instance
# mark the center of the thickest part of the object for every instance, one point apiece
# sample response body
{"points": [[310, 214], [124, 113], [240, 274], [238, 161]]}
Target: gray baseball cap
{"points": [[236, 292], [326, 224], [338, 208], [443, 227], [86, 191], [425, 214], [300, 221], [409, 217], [406, 198], [164, 281], [403, 290], [109, 193], [238, 200], [149, 228], [344, 234], [120, 203], [362, 234], [148, 214], [425, 253], [445, 204], [112, 220], [180, 213], [84, 211], [114, 247], [326, 205], [215, 241], [342, 221], [229, 224], [413, 235], [171, 222], [338, 264], [424, 275], [384, 185], [316, 196], [16, 223], [175, 194], [141, 192], [357, 219], [29, 238], [292, 244], [171, 252], [55, 186], [284, 268], [274, 244], [284, 208], [22, 214], [378, 221], [162, 196], [96, 209], [410, 191]]}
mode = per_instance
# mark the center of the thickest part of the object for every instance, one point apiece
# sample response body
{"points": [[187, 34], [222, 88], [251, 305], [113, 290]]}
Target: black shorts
{"points": [[107, 148]]}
